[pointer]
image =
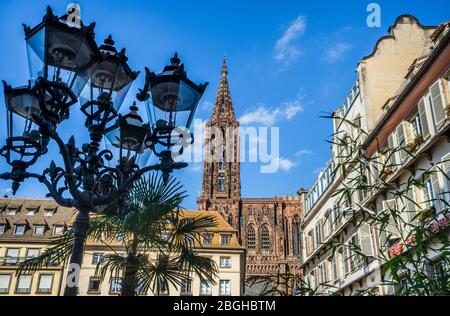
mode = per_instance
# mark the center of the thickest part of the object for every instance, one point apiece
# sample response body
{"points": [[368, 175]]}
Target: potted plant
{"points": [[418, 140], [427, 214], [387, 172]]}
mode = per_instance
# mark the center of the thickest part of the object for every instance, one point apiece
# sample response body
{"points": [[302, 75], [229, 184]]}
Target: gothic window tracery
{"points": [[251, 238], [265, 238]]}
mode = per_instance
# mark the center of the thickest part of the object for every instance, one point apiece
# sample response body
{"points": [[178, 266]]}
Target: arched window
{"points": [[251, 238], [265, 238]]}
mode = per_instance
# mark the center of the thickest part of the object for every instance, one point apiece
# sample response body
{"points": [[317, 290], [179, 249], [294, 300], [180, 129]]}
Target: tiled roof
{"points": [[64, 216], [60, 216]]}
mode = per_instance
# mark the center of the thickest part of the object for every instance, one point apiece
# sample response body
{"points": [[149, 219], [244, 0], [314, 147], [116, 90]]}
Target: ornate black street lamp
{"points": [[64, 61], [171, 109]]}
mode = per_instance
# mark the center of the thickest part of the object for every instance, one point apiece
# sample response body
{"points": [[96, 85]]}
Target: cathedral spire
{"points": [[221, 188], [223, 108], [224, 68]]}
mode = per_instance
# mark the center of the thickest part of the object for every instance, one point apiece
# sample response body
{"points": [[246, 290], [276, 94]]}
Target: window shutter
{"points": [[424, 119], [330, 221], [445, 166], [376, 165], [410, 202], [391, 228], [436, 189], [408, 129], [392, 154], [346, 263], [401, 141], [437, 104], [366, 240]]}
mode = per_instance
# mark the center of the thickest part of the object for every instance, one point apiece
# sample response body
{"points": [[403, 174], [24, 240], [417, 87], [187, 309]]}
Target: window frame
{"points": [[18, 282], [58, 233], [36, 227], [31, 212], [50, 290], [15, 259], [208, 286], [101, 254], [207, 239], [228, 236], [49, 213], [188, 290], [90, 289], [111, 291], [227, 259], [17, 226], [28, 252], [227, 287], [8, 289]]}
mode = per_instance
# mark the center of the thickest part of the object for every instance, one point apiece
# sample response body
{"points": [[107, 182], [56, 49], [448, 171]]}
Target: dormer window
{"points": [[12, 211], [207, 239], [2, 229], [20, 230], [31, 212], [39, 230], [59, 229], [225, 239], [49, 213]]}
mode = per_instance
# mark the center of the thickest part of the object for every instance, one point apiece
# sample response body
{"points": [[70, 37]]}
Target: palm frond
{"points": [[58, 252]]}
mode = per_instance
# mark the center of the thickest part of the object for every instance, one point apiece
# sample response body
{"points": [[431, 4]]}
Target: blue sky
{"points": [[300, 55]]}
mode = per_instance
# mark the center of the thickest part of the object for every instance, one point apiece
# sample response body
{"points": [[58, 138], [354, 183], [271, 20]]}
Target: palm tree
{"points": [[159, 242]]}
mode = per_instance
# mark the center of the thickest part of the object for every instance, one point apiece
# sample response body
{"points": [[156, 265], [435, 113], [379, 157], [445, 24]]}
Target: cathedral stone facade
{"points": [[269, 228]]}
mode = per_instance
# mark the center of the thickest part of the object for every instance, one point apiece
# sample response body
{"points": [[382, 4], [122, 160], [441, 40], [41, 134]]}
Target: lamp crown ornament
{"points": [[108, 46], [175, 61]]}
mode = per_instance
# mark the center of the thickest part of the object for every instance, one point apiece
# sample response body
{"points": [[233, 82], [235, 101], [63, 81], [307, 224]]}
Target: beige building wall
{"points": [[8, 267], [382, 73], [16, 212], [232, 274]]}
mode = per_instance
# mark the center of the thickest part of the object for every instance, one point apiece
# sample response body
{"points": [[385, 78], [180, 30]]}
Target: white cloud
{"points": [[284, 50], [336, 53], [286, 164], [303, 152], [270, 116], [206, 105]]}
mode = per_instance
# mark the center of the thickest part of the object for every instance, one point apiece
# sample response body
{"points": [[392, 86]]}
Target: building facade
{"points": [[268, 227], [27, 227], [401, 98]]}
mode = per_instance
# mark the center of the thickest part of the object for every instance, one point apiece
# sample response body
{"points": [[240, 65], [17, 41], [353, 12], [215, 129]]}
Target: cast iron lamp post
{"points": [[64, 62]]}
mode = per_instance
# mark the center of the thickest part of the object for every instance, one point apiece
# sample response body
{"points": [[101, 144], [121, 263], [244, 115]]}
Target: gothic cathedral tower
{"points": [[221, 187]]}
